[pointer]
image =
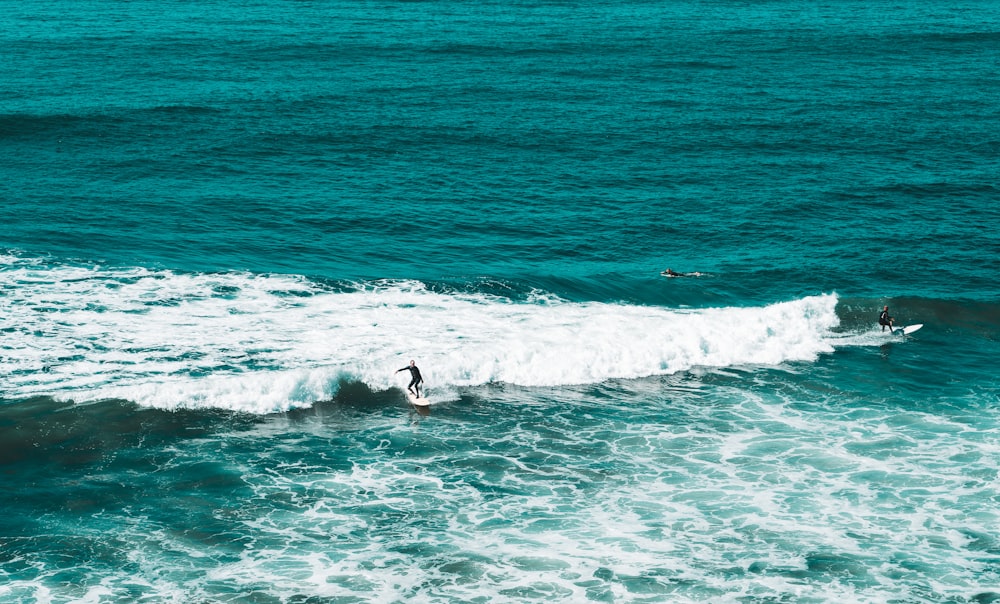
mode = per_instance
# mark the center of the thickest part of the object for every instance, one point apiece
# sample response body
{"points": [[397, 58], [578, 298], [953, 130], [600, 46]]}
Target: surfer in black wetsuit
{"points": [[416, 379], [672, 273], [884, 319]]}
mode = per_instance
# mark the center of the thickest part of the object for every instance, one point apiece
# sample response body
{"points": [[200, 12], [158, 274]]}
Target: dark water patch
{"points": [[75, 472], [37, 127], [186, 110], [42, 432], [352, 401], [965, 318], [980, 319], [944, 190]]}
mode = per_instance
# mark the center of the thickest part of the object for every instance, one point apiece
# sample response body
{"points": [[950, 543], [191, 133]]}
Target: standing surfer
{"points": [[416, 379], [883, 319]]}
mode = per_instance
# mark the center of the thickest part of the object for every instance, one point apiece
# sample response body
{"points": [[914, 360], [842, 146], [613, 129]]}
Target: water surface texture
{"points": [[224, 225]]}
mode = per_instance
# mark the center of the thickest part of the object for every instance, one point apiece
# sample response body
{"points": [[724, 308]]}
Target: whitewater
{"points": [[269, 343]]}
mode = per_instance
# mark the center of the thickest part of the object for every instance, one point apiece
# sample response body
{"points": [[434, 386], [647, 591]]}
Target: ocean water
{"points": [[226, 224]]}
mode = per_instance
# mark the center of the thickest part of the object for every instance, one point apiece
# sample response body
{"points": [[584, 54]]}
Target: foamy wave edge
{"points": [[269, 343]]}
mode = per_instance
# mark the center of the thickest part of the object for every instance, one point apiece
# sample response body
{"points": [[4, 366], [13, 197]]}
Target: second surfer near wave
{"points": [[672, 273]]}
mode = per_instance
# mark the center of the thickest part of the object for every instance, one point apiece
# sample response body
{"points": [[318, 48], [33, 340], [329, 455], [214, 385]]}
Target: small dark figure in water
{"points": [[672, 273], [884, 319], [416, 379]]}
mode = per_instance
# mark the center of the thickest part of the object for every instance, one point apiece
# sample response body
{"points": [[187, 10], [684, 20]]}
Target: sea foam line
{"points": [[265, 343]]}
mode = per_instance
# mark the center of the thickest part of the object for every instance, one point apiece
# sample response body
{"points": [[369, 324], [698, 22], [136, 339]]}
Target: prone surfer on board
{"points": [[884, 319], [672, 273], [416, 379]]}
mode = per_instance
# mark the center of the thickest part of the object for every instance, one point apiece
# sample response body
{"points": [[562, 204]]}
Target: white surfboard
{"points": [[910, 328], [419, 402]]}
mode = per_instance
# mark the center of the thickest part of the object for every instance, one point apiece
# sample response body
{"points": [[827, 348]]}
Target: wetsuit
{"points": [[416, 381], [885, 320]]}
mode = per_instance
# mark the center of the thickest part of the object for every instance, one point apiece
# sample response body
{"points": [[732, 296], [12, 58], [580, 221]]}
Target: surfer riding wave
{"points": [[415, 380], [884, 319]]}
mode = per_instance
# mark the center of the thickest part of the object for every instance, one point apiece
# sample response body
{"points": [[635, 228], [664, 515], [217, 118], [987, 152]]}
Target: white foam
{"points": [[721, 505], [262, 343]]}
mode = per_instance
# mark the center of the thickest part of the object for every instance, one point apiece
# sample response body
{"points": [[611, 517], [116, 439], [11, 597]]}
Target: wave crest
{"points": [[264, 343]]}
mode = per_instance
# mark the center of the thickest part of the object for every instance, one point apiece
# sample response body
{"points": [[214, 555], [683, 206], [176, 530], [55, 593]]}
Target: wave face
{"points": [[264, 343]]}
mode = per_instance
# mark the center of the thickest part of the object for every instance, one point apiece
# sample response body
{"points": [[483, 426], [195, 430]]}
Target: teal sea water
{"points": [[226, 224]]}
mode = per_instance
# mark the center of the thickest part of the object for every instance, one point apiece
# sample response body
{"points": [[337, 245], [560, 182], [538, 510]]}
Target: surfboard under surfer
{"points": [[415, 380], [672, 273]]}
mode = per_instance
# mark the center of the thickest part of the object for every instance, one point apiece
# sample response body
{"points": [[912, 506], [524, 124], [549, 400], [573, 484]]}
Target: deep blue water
{"points": [[225, 225]]}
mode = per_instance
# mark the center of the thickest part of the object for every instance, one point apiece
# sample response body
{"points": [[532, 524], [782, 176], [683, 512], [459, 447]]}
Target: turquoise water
{"points": [[225, 226]]}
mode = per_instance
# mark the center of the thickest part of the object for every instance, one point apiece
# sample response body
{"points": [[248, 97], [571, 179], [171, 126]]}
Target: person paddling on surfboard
{"points": [[672, 273], [884, 319], [416, 379]]}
